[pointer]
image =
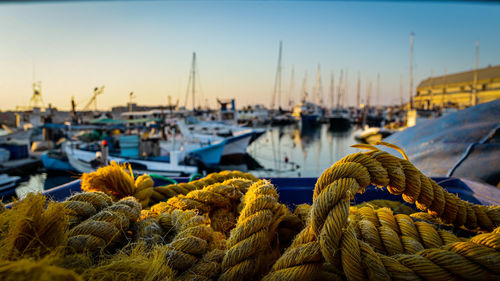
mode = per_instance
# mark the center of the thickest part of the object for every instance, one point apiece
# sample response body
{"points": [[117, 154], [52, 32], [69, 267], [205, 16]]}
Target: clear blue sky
{"points": [[146, 47]]}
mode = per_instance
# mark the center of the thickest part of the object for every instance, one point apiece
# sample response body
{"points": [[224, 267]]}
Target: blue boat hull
{"points": [[210, 155], [56, 163]]}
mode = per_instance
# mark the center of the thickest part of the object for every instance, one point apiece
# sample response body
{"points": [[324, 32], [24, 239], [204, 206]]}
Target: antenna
{"points": [[277, 81], [474, 89], [412, 35]]}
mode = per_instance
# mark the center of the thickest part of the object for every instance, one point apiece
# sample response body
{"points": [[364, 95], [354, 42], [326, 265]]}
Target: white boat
{"points": [[237, 138], [372, 135], [7, 182], [20, 135], [82, 161]]}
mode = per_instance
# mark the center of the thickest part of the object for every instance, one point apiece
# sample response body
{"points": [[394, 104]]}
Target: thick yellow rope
{"points": [[217, 195], [104, 228], [329, 236], [162, 193], [84, 205], [191, 241], [252, 235]]}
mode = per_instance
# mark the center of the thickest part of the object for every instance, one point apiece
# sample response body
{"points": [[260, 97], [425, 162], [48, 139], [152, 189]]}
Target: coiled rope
{"points": [[104, 228], [331, 237]]}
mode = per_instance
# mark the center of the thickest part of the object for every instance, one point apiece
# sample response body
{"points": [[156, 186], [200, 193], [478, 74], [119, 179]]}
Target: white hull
{"points": [[237, 147], [80, 160]]}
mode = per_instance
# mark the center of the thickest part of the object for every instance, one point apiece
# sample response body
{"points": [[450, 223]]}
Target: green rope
{"points": [[163, 178], [195, 176]]}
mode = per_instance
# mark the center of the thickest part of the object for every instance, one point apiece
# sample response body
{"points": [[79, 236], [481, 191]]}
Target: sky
{"points": [[146, 48]]}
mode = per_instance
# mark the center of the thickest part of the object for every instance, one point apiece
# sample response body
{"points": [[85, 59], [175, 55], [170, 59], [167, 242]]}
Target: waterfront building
{"points": [[457, 89]]}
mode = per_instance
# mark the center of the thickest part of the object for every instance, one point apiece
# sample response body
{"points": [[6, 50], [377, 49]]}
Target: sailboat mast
{"points": [[304, 87], [345, 89], [292, 88], [193, 69], [319, 88], [378, 88], [368, 93], [332, 87], [340, 89], [277, 80], [401, 90], [358, 94]]}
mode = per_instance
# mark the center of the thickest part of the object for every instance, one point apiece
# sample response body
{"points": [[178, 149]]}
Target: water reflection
{"points": [[298, 151]]}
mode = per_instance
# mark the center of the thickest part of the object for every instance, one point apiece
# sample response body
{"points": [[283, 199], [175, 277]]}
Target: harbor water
{"points": [[285, 151]]}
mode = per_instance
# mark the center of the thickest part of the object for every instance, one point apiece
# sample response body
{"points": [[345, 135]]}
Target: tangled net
{"points": [[232, 226]]}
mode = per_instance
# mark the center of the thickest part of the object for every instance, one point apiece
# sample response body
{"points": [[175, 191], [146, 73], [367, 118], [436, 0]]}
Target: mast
{"points": [[412, 35], [378, 88], [358, 93], [332, 87], [340, 88], [304, 86], [401, 90], [368, 93], [277, 81], [345, 88], [292, 88], [319, 87], [474, 89], [193, 69]]}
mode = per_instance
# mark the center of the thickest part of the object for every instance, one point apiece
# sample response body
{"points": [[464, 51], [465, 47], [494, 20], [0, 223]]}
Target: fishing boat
{"points": [[307, 113], [237, 138], [339, 119], [56, 160], [372, 135], [84, 161], [13, 135]]}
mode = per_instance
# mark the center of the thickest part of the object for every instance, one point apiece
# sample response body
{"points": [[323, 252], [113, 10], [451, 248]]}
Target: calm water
{"points": [[288, 151], [298, 152]]}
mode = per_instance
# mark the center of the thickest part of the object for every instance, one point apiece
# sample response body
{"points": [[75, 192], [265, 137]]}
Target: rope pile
{"points": [[232, 226]]}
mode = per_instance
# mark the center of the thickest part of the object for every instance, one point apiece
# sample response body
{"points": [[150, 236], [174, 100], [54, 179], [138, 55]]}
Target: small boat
{"points": [[237, 138], [10, 135], [308, 113], [8, 182], [372, 135], [56, 160], [84, 161], [339, 120]]}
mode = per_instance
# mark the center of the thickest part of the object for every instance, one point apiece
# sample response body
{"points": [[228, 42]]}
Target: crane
{"points": [[93, 99], [36, 100]]}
